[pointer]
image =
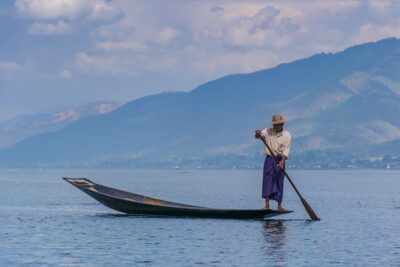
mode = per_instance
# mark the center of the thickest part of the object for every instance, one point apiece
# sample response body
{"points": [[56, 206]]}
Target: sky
{"points": [[60, 53]]}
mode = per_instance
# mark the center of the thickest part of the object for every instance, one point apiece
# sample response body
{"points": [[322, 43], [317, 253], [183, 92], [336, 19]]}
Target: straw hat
{"points": [[278, 118]]}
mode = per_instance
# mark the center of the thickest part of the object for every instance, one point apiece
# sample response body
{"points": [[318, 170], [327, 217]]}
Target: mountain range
{"points": [[342, 106], [18, 128]]}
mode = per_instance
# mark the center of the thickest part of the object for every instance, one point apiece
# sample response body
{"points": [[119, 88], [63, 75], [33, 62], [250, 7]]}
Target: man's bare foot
{"points": [[280, 208]]}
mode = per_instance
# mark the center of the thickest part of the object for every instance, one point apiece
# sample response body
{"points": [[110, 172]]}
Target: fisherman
{"points": [[278, 140]]}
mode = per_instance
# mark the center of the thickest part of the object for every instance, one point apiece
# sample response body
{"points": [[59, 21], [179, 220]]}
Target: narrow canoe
{"points": [[131, 203]]}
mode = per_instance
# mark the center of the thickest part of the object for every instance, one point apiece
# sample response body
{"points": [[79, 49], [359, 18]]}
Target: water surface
{"points": [[45, 222]]}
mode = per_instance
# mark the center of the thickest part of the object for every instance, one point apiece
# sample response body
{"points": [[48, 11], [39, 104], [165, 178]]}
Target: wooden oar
{"points": [[308, 208]]}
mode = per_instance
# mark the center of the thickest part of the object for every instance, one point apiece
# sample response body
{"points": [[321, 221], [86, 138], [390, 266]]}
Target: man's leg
{"points": [[280, 176], [267, 185], [267, 202]]}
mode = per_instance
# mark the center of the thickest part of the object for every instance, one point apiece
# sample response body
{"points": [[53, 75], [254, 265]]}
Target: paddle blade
{"points": [[309, 210]]}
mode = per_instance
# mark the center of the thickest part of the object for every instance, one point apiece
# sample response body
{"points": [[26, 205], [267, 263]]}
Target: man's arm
{"points": [[282, 162], [285, 151], [257, 134]]}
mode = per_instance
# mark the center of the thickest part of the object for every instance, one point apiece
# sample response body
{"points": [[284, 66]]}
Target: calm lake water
{"points": [[46, 222]]}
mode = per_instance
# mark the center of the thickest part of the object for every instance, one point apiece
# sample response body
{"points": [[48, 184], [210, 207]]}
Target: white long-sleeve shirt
{"points": [[278, 142]]}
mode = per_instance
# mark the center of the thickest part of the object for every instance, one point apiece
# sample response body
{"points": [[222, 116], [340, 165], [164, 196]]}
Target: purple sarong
{"points": [[273, 177]]}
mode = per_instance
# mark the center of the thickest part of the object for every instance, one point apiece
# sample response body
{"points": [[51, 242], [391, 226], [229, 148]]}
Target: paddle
{"points": [[308, 208]]}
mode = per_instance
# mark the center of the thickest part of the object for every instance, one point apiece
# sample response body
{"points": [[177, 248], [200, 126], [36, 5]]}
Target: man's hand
{"points": [[257, 134], [282, 163]]}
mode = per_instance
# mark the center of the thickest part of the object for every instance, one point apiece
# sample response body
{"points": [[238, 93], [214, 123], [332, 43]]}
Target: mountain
{"points": [[342, 107], [21, 127]]}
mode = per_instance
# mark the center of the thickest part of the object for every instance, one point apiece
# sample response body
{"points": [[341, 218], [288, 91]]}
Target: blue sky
{"points": [[60, 53]]}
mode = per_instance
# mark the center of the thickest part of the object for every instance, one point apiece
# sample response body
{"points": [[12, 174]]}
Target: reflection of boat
{"points": [[136, 204]]}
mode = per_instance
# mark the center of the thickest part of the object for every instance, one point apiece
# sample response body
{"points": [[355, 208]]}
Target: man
{"points": [[278, 140]]}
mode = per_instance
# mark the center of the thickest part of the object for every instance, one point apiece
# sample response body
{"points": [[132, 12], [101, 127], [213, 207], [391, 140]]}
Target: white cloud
{"points": [[210, 38], [266, 28], [114, 31], [66, 9], [123, 46], [167, 35], [66, 74], [113, 64], [177, 44], [103, 11], [10, 66], [370, 32], [224, 63], [380, 5], [201, 40], [58, 28], [44, 9]]}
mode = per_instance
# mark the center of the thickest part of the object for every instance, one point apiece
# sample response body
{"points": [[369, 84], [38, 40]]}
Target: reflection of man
{"points": [[278, 140]]}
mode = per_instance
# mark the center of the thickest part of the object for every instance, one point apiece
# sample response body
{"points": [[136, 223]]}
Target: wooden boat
{"points": [[131, 203]]}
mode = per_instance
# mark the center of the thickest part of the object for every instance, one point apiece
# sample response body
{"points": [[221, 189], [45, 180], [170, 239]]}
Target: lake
{"points": [[45, 221]]}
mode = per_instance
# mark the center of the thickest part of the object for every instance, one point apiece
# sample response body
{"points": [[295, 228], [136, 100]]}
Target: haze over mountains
{"points": [[344, 105], [21, 127]]}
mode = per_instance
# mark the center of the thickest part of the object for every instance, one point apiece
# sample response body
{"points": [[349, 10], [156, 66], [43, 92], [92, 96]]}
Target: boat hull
{"points": [[135, 204]]}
